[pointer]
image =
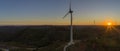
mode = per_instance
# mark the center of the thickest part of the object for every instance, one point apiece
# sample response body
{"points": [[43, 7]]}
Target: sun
{"points": [[109, 23]]}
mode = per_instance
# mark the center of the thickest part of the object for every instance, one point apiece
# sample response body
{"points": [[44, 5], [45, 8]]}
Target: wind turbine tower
{"points": [[71, 26]]}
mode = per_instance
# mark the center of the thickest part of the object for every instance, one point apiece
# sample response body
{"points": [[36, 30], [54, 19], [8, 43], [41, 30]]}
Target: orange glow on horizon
{"points": [[109, 23]]}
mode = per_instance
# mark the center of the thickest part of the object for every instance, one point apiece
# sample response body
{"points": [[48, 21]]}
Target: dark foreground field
{"points": [[54, 38]]}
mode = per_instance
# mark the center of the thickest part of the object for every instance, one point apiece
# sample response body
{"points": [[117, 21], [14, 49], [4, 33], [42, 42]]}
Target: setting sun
{"points": [[109, 23]]}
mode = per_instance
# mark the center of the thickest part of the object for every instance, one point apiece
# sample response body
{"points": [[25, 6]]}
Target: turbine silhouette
{"points": [[71, 26]]}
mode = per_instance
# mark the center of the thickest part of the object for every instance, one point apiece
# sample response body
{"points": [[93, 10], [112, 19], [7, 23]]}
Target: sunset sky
{"points": [[50, 12]]}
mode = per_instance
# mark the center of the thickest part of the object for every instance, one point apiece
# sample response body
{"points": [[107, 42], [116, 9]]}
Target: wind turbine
{"points": [[94, 22], [71, 26]]}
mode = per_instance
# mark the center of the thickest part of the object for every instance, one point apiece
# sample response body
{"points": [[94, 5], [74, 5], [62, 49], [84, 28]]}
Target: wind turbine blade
{"points": [[70, 5], [65, 15]]}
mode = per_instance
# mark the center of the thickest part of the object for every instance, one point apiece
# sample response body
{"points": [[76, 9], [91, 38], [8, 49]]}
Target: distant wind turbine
{"points": [[94, 22], [71, 26]]}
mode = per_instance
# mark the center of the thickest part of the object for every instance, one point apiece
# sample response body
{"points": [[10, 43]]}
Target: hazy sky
{"points": [[50, 12]]}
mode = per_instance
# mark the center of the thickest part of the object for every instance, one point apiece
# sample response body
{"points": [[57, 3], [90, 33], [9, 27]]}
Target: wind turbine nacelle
{"points": [[70, 11]]}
